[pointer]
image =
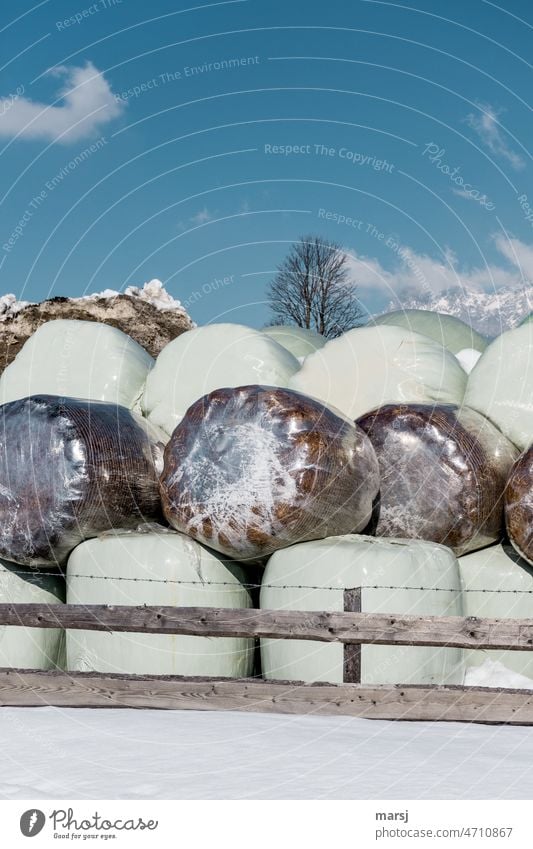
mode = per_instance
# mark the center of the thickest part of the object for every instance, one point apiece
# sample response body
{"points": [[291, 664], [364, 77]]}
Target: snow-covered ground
{"points": [[136, 754]]}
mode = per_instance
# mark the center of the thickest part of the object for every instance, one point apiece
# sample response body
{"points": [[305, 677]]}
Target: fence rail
{"points": [[327, 627], [27, 688]]}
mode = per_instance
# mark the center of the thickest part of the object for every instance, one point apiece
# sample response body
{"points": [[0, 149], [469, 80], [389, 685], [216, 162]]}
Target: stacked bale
{"points": [[299, 341], [443, 471], [498, 583], [208, 358], [500, 385], [447, 330], [155, 568], [30, 648], [392, 576], [70, 469], [371, 366], [78, 359], [519, 505], [254, 469]]}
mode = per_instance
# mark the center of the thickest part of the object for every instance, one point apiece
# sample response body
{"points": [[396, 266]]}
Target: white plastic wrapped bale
{"points": [[394, 576], [447, 330], [371, 366], [501, 384], [257, 468], [208, 358], [519, 505], [155, 568], [30, 648], [443, 471], [78, 359], [498, 583], [298, 340], [70, 469]]}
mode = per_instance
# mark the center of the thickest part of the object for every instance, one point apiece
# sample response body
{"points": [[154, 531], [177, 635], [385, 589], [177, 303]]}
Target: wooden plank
{"points": [[378, 628], [22, 688], [352, 651]]}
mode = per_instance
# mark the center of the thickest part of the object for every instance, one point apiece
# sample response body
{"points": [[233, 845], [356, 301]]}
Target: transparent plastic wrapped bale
{"points": [[257, 468], [155, 568], [519, 506], [70, 469], [394, 577], [443, 471], [30, 648]]}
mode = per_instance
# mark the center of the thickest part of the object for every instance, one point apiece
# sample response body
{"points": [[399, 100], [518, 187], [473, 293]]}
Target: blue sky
{"points": [[193, 143]]}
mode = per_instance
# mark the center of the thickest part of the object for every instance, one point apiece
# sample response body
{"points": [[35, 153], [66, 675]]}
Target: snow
{"points": [[468, 357], [153, 292], [141, 754], [490, 313], [10, 306], [494, 674]]}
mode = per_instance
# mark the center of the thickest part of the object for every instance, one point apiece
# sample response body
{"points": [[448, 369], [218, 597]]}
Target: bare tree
{"points": [[311, 289]]}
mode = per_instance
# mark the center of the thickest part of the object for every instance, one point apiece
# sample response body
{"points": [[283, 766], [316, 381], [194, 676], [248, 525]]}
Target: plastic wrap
{"points": [[371, 366], [30, 648], [395, 576], [254, 469], [78, 359], [298, 340], [498, 584], [69, 469], [447, 330], [519, 506], [443, 472], [209, 358], [501, 384], [155, 569]]}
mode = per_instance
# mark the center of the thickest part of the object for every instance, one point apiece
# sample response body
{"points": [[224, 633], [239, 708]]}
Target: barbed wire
{"points": [[255, 585]]}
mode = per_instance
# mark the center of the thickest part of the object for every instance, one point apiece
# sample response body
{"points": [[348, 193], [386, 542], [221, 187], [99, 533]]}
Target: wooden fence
{"points": [[352, 628]]}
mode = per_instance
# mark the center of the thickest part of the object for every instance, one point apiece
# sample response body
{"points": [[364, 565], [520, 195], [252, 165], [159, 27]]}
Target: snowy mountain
{"points": [[149, 314], [490, 313]]}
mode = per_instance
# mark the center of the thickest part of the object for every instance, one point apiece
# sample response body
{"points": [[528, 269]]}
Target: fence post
{"points": [[352, 651]]}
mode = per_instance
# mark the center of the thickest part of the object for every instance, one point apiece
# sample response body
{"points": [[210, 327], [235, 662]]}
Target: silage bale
{"points": [[443, 471], [498, 583], [70, 469], [371, 366], [500, 385], [78, 359], [208, 358], [155, 568], [254, 469], [394, 576], [30, 648], [448, 330], [519, 505], [298, 340]]}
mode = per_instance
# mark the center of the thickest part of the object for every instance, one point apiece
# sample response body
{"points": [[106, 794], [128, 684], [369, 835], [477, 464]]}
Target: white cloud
{"points": [[87, 103], [421, 273], [201, 217], [487, 126]]}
